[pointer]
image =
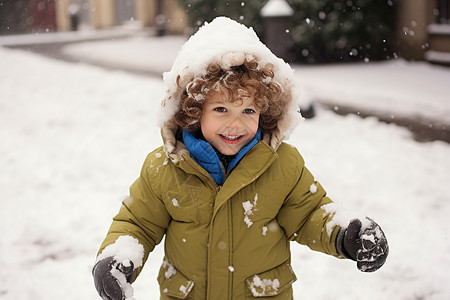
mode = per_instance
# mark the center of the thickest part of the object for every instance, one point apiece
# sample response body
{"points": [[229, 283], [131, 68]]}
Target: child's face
{"points": [[229, 126]]}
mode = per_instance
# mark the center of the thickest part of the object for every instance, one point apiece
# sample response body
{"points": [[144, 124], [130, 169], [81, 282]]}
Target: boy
{"points": [[224, 190]]}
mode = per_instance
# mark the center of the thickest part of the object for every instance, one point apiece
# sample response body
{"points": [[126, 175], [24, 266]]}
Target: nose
{"points": [[234, 123]]}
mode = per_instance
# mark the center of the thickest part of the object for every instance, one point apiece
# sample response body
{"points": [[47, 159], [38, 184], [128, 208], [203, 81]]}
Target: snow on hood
{"points": [[228, 43]]}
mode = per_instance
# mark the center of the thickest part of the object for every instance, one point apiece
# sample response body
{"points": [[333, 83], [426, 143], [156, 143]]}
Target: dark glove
{"points": [[108, 286], [369, 248]]}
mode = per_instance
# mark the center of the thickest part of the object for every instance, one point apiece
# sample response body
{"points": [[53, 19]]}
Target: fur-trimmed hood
{"points": [[227, 43]]}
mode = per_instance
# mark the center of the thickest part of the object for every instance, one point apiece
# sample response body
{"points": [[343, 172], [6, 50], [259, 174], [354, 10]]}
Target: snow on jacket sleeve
{"points": [[302, 216], [142, 216]]}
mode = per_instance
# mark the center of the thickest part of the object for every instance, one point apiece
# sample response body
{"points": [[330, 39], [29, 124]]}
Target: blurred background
{"points": [[80, 87], [314, 31]]}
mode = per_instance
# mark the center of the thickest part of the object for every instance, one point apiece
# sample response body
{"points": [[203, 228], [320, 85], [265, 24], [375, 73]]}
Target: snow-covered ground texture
{"points": [[396, 89], [73, 138]]}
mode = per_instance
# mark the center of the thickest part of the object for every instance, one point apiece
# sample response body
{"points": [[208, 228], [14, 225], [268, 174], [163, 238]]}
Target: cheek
{"points": [[208, 125], [204, 120], [253, 124]]}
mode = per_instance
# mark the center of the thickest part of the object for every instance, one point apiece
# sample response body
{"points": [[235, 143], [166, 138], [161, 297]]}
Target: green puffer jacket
{"points": [[229, 242]]}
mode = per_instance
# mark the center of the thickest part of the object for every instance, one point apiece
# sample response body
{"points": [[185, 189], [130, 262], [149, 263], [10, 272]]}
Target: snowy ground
{"points": [[73, 140]]}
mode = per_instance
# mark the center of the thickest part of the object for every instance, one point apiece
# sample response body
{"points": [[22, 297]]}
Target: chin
{"points": [[227, 150]]}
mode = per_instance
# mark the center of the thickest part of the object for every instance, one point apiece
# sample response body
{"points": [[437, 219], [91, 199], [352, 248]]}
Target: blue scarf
{"points": [[205, 155]]}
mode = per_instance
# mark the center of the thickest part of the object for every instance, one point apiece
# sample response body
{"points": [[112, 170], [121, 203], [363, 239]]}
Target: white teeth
{"points": [[231, 137]]}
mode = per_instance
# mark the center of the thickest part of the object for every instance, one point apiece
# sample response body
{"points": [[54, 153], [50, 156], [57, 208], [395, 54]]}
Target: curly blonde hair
{"points": [[236, 82]]}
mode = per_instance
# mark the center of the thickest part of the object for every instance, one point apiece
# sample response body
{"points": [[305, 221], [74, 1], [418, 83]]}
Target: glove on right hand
{"points": [[107, 285], [368, 248]]}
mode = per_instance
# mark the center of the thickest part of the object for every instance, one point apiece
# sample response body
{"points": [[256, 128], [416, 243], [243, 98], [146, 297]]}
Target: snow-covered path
{"points": [[73, 138]]}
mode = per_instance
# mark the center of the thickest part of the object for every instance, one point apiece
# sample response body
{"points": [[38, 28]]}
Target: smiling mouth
{"points": [[230, 138]]}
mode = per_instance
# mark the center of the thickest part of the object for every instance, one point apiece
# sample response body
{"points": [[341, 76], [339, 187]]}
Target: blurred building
{"points": [[422, 30], [25, 16]]}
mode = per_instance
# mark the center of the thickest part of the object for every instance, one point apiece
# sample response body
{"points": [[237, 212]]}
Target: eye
{"points": [[220, 109], [248, 111]]}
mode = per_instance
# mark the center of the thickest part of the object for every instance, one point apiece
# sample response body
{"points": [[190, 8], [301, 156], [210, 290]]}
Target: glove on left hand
{"points": [[107, 285], [369, 248]]}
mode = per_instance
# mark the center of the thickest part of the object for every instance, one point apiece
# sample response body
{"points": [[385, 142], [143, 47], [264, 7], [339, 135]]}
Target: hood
{"points": [[227, 43]]}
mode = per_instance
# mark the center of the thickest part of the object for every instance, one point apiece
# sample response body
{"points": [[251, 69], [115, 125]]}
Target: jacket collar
{"points": [[179, 155], [251, 167], [175, 149], [205, 155]]}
